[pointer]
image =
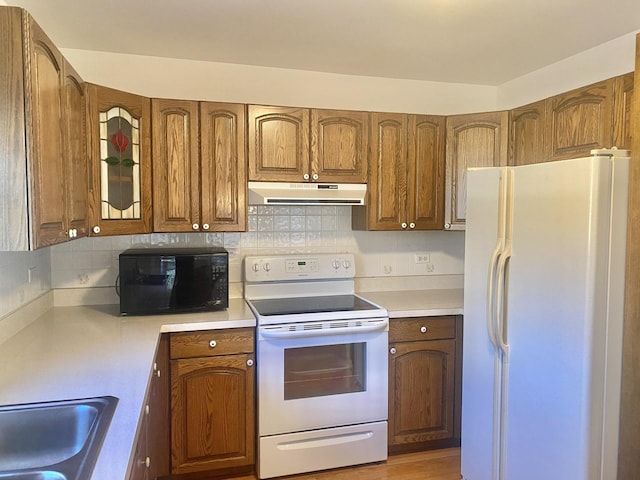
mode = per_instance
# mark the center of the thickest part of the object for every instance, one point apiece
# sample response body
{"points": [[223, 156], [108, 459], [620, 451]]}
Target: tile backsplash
{"points": [[93, 262], [24, 276]]}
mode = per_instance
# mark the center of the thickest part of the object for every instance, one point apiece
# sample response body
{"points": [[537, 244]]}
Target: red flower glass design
{"points": [[120, 141]]}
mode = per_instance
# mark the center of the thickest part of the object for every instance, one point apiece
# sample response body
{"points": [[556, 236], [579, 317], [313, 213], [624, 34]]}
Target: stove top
{"points": [[305, 305], [305, 288]]}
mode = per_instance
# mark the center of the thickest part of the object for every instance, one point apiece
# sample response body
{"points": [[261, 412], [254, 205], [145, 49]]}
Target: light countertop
{"points": [[80, 352], [91, 351], [418, 303]]}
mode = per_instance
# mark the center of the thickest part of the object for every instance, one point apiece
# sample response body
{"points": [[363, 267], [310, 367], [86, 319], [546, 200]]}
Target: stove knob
{"points": [[267, 267], [336, 264], [255, 267], [346, 264]]}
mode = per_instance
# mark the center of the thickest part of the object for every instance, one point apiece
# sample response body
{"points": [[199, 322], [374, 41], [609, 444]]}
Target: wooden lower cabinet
{"points": [[151, 453], [212, 401], [424, 383]]}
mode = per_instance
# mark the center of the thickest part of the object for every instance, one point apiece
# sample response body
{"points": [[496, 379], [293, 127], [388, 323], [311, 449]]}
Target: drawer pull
{"points": [[213, 343], [423, 329]]}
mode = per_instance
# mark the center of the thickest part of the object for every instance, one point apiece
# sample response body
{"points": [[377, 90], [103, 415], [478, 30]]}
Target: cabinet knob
{"points": [[146, 409], [315, 176], [412, 225], [147, 462], [403, 225], [213, 343], [195, 226], [423, 329], [305, 176], [96, 229], [250, 363], [392, 351], [158, 373], [447, 226], [205, 226]]}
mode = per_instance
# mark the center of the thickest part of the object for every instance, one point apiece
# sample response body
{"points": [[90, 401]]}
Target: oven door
{"points": [[319, 375]]}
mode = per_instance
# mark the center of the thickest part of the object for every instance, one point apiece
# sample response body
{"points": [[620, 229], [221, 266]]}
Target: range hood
{"points": [[284, 193]]}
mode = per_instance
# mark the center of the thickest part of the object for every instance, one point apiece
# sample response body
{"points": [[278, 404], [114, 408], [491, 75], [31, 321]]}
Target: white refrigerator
{"points": [[543, 309]]}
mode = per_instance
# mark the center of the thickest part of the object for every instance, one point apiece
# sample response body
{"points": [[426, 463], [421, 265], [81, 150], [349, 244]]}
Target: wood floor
{"points": [[432, 465]]}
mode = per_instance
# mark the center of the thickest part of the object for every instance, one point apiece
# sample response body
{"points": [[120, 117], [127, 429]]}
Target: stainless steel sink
{"points": [[53, 440], [42, 475]]}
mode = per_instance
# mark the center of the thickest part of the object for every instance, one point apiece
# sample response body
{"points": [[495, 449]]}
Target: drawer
{"points": [[208, 343], [422, 328]]}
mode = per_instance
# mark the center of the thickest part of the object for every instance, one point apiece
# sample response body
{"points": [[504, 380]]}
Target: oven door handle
{"points": [[283, 332]]}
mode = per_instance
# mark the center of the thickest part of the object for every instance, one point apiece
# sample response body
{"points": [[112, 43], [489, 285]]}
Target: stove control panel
{"points": [[303, 266]]}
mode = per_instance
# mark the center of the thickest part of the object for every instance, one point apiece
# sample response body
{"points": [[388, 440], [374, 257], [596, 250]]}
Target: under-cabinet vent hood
{"points": [[283, 193]]}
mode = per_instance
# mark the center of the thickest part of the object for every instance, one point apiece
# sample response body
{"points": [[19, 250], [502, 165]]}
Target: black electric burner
{"points": [[305, 305]]}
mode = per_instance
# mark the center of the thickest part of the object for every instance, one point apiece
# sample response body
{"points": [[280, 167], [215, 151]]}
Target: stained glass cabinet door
{"points": [[120, 162]]}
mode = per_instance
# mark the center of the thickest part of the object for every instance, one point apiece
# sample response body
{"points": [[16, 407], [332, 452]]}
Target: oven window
{"points": [[324, 370]]}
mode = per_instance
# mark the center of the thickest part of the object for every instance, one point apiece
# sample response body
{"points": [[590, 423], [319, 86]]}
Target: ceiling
{"points": [[485, 42]]}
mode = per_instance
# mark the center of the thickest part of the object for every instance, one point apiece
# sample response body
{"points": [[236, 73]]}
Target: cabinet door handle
{"points": [[403, 225], [213, 343], [447, 226], [205, 226], [250, 363], [315, 176], [392, 351], [305, 176], [147, 462], [412, 225], [423, 329], [96, 229], [195, 226]]}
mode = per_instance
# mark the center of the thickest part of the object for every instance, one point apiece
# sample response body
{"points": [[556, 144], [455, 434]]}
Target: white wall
{"points": [[608, 60], [196, 80]]}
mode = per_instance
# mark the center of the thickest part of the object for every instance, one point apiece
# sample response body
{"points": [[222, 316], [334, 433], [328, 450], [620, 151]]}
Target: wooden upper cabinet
{"points": [[119, 139], [387, 189], [406, 185], [339, 146], [223, 166], [622, 97], [474, 140], [45, 83], [199, 167], [426, 162], [42, 158], [75, 159], [176, 169], [526, 134], [579, 121], [301, 145], [278, 143]]}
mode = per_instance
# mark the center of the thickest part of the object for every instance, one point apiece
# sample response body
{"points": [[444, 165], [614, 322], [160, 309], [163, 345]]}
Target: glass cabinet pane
{"points": [[119, 164]]}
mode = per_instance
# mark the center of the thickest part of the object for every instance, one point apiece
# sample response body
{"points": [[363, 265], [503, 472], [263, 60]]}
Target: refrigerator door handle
{"points": [[491, 293], [500, 294]]}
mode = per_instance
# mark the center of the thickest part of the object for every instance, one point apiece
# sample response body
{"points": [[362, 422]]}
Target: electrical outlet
{"points": [[423, 257]]}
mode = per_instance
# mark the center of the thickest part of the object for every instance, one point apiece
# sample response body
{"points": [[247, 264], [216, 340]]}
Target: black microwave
{"points": [[173, 280]]}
